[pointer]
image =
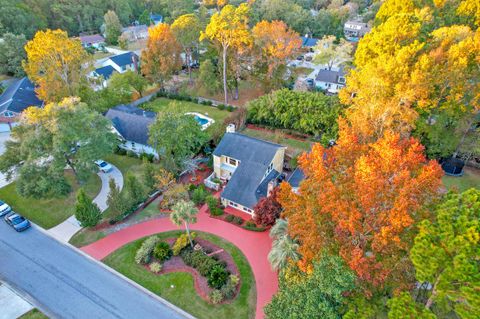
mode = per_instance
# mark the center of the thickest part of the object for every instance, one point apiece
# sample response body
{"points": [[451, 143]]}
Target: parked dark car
{"points": [[4, 208], [18, 222]]}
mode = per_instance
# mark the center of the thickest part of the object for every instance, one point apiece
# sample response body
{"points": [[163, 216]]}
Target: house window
{"points": [[232, 161], [9, 114], [124, 68], [233, 204]]}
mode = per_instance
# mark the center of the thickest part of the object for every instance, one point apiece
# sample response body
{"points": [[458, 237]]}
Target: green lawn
{"points": [[164, 105], [48, 212], [183, 294], [33, 314], [470, 179], [293, 146]]}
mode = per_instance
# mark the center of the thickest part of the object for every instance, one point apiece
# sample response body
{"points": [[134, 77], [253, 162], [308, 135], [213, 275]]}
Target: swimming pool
{"points": [[202, 120]]}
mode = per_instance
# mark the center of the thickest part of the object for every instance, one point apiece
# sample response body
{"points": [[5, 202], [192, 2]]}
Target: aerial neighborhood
{"points": [[233, 159]]}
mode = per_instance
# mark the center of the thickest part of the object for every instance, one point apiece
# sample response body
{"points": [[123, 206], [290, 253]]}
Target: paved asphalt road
{"points": [[65, 284]]}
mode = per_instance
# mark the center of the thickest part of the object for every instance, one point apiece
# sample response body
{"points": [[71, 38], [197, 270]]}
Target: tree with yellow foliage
{"points": [[186, 29], [228, 29], [275, 42], [162, 57], [56, 64]]}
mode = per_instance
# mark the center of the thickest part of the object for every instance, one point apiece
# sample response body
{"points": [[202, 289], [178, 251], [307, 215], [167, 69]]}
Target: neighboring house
{"points": [[156, 18], [131, 125], [102, 75], [354, 30], [308, 42], [17, 97], [251, 166], [135, 32], [330, 81], [92, 41], [123, 62], [295, 179]]}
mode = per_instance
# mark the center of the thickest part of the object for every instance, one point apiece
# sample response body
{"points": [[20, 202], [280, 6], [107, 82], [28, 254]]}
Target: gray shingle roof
{"points": [[329, 76], [105, 71], [124, 58], [297, 176], [19, 96], [91, 39], [132, 127], [247, 184]]}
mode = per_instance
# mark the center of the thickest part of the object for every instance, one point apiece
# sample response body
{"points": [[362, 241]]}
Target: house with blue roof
{"points": [[120, 63], [250, 167], [17, 97], [308, 42], [156, 18]]}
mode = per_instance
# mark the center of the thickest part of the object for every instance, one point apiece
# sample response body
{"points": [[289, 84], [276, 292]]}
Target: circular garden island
{"points": [[211, 280]]}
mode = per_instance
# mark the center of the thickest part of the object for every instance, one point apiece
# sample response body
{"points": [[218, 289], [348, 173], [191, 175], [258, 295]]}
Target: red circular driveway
{"points": [[254, 245]]}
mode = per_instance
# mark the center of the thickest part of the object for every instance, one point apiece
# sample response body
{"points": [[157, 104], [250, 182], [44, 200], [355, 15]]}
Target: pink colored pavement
{"points": [[254, 245]]}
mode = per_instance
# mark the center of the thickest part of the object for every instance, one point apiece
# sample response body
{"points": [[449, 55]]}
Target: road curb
{"points": [[113, 271]]}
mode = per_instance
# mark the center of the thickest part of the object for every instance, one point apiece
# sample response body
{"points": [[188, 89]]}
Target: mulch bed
{"points": [[176, 264]]}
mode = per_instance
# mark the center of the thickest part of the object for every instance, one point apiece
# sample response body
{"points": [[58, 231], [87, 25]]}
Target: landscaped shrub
{"points": [[228, 290], [182, 242], [237, 220], [250, 224], [221, 106], [199, 195], [156, 267], [120, 151], [162, 251], [217, 277], [131, 154], [212, 202], [229, 218], [230, 108], [144, 253], [192, 187], [217, 211], [215, 296], [198, 260]]}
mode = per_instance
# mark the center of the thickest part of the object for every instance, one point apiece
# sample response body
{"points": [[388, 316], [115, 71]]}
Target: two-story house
{"points": [[330, 81], [120, 63], [355, 29], [250, 166]]}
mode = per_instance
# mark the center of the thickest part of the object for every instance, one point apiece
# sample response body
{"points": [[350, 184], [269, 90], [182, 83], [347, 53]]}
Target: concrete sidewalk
{"points": [[64, 231], [11, 304]]}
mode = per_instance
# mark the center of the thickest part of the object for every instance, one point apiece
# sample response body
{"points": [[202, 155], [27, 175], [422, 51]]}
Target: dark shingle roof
{"points": [[91, 39], [105, 71], [156, 17], [127, 108], [329, 76], [247, 184], [124, 58], [19, 96], [297, 176], [132, 127], [309, 42]]}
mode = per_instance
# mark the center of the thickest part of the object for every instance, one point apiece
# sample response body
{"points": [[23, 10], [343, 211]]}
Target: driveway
{"points": [[63, 283], [254, 245], [71, 226], [12, 305]]}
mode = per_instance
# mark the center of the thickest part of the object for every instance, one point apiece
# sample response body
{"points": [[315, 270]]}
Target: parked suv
{"points": [[103, 166], [18, 222]]}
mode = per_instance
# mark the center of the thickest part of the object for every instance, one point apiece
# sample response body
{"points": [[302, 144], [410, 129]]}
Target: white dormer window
{"points": [[341, 79], [9, 114], [232, 161]]}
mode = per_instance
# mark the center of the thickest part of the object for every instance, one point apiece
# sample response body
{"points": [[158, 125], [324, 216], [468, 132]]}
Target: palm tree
{"points": [[184, 212], [284, 248]]}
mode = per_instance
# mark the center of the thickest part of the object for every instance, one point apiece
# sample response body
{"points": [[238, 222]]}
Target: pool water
{"points": [[201, 120]]}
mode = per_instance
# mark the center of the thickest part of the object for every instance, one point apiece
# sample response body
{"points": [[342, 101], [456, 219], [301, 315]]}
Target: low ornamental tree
{"points": [[267, 210], [115, 200], [86, 211]]}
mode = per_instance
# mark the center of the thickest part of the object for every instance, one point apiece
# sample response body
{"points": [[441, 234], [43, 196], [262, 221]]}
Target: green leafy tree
{"points": [[328, 52], [116, 200], [123, 85], [445, 254], [184, 212], [145, 18], [149, 178], [186, 29], [316, 295], [86, 211], [113, 27], [12, 52], [208, 77], [404, 307], [134, 189], [176, 137]]}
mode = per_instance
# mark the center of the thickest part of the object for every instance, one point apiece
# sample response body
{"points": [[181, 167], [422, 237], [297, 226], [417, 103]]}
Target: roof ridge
{"points": [[258, 139]]}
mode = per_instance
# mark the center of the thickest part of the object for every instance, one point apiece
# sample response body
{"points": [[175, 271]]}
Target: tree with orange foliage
{"points": [[162, 57], [275, 43], [362, 200], [56, 64]]}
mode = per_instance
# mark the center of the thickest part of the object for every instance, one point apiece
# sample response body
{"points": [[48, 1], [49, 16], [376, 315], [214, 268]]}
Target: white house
{"points": [[135, 32], [330, 81], [92, 41], [354, 30], [131, 124], [120, 63]]}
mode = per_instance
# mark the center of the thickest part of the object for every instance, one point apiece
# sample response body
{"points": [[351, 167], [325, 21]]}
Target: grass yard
{"points": [[470, 179], [293, 146], [183, 294], [33, 314], [49, 212]]}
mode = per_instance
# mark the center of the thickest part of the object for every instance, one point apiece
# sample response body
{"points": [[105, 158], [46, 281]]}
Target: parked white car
{"points": [[4, 208], [104, 166]]}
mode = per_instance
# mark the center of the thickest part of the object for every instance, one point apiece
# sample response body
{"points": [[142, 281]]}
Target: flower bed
{"points": [[216, 277]]}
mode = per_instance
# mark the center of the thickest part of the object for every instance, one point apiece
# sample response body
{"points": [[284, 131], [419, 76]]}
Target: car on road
{"points": [[18, 222], [4, 208], [103, 166]]}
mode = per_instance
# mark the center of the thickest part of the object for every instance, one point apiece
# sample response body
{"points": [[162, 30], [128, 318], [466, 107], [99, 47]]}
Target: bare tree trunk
{"points": [[434, 293], [188, 234], [225, 89]]}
